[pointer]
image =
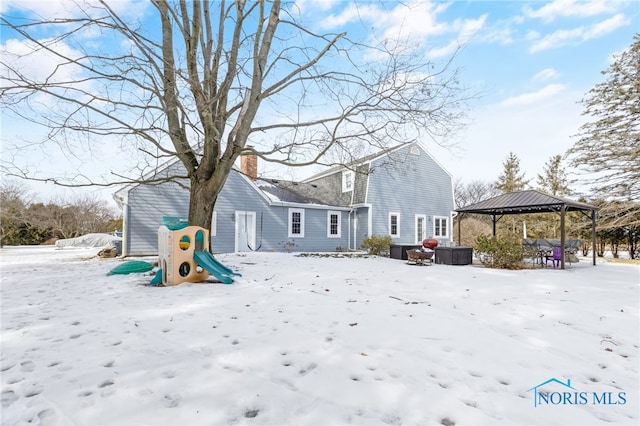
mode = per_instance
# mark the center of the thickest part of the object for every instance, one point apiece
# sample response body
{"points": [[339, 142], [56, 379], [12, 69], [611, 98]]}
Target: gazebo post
{"points": [[593, 236], [563, 210], [494, 224]]}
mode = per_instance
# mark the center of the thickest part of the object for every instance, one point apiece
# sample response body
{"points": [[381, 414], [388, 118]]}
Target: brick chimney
{"points": [[249, 165]]}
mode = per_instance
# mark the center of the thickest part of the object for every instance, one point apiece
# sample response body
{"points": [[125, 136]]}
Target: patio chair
{"points": [[555, 258]]}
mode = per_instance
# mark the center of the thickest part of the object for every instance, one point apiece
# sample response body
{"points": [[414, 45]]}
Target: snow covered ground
{"points": [[313, 340]]}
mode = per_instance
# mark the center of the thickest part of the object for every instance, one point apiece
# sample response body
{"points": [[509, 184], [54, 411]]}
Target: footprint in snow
{"points": [[48, 417], [27, 366], [7, 397], [169, 374], [171, 401], [306, 370], [6, 367], [33, 392], [106, 383], [391, 419]]}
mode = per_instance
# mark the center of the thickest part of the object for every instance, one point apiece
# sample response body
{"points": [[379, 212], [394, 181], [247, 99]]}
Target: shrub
{"points": [[377, 244], [504, 252]]}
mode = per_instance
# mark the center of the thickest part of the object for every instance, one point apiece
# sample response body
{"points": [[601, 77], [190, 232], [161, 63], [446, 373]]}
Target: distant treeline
{"points": [[26, 222]]}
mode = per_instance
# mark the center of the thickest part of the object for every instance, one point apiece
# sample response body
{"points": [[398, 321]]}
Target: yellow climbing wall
{"points": [[175, 254]]}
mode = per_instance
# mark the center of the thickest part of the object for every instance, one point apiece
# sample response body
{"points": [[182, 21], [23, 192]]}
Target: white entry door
{"points": [[245, 231]]}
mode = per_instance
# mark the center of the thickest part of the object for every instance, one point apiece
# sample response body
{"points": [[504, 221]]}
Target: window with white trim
{"points": [[333, 224], [441, 227], [296, 223], [347, 180], [394, 224], [421, 228]]}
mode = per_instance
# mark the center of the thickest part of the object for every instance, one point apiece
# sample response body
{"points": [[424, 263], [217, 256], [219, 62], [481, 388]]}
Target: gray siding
{"points": [[409, 184], [362, 227], [397, 182], [236, 195], [148, 203], [272, 222], [331, 188], [360, 184]]}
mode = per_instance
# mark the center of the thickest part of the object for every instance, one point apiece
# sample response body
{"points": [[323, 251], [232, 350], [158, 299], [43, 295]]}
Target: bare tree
{"points": [[14, 198], [473, 192], [68, 218], [213, 80]]}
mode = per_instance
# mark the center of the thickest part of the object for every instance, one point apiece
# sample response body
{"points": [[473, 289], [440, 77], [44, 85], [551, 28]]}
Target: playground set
{"points": [[183, 256]]}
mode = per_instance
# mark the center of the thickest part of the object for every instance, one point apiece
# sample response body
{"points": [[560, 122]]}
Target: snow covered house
{"points": [[402, 192]]}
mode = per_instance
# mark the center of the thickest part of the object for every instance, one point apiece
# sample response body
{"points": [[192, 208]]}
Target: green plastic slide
{"points": [[215, 268], [157, 278], [131, 267]]}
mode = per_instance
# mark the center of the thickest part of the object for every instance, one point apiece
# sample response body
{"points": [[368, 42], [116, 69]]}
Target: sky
{"points": [[528, 62], [317, 341]]}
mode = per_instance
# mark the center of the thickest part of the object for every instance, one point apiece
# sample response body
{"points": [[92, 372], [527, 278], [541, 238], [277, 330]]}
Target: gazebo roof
{"points": [[529, 201]]}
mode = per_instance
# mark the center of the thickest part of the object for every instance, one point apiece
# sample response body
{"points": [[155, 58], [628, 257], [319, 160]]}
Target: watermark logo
{"points": [[556, 392]]}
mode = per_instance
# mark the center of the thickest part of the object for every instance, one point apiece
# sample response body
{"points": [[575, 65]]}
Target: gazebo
{"points": [[532, 201]]}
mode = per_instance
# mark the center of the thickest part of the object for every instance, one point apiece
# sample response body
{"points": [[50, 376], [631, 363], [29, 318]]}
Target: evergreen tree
{"points": [[609, 145], [554, 178], [511, 178]]}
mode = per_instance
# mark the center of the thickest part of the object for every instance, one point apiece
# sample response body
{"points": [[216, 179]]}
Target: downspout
{"points": [[563, 210], [355, 213], [125, 231], [453, 215], [349, 231]]}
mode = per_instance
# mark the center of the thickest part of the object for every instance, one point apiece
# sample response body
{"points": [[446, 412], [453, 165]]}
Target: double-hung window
{"points": [[296, 223], [347, 180], [441, 227], [394, 224], [333, 224]]}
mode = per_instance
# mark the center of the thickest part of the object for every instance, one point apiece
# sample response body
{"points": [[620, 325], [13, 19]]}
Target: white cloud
{"points": [[351, 13], [567, 8], [413, 20], [546, 74], [532, 98], [304, 6], [442, 51], [38, 64], [66, 9], [466, 29], [418, 19], [580, 34]]}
